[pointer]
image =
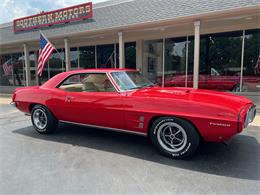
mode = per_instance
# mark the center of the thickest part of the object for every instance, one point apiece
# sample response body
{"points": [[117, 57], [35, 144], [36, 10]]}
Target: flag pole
{"points": [[110, 57], [62, 58]]}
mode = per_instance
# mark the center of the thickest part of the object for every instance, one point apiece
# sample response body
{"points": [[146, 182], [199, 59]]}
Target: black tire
{"points": [[51, 123], [236, 88], [166, 133]]}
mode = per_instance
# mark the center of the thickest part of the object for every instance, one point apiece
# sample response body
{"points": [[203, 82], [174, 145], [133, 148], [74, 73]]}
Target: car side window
{"points": [[89, 82], [72, 84]]}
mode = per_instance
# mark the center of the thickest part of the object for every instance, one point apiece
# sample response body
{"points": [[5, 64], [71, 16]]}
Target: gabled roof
{"points": [[121, 13]]}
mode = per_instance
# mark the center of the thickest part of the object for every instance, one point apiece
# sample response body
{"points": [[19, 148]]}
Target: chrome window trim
{"points": [[111, 79], [93, 72], [126, 90], [105, 128]]}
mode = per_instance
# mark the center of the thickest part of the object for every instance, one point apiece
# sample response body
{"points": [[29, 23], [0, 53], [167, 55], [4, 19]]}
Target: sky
{"points": [[12, 9]]}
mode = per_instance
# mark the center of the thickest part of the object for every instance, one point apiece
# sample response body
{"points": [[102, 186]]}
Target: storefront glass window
{"points": [[33, 68], [175, 62], [130, 55], [251, 66], [18, 69], [56, 63], [87, 57], [190, 62], [117, 56], [53, 66], [45, 74], [220, 61], [105, 56], [6, 70], [74, 58], [152, 60]]}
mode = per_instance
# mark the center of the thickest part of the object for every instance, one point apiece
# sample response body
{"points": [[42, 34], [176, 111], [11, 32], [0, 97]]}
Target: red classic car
{"points": [[212, 82], [175, 119]]}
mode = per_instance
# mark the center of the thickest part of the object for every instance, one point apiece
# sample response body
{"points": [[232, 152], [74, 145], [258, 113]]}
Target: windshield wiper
{"points": [[138, 87]]}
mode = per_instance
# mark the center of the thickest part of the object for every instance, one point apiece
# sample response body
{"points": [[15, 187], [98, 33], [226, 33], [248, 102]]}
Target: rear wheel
{"points": [[236, 88], [43, 120], [174, 137]]}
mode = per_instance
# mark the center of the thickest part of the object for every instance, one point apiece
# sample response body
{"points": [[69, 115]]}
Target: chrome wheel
{"points": [[40, 119], [237, 88], [172, 137]]}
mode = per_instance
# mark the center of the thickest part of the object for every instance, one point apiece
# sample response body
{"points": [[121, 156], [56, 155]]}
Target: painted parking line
{"points": [[15, 111], [256, 121], [5, 100]]}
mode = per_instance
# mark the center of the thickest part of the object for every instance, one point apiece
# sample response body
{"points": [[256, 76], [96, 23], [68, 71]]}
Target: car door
{"points": [[92, 99]]}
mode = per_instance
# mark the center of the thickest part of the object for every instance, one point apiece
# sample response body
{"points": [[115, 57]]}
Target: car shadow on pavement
{"points": [[239, 159]]}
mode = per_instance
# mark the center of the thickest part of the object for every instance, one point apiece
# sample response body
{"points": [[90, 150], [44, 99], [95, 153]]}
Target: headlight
{"points": [[250, 115]]}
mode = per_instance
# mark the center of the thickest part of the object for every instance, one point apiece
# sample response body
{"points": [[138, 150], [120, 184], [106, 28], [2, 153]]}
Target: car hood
{"points": [[220, 99]]}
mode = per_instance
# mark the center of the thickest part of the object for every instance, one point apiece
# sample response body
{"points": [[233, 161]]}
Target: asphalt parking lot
{"points": [[77, 160]]}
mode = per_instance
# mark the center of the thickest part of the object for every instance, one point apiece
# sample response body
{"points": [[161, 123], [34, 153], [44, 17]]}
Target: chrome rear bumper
{"points": [[13, 104]]}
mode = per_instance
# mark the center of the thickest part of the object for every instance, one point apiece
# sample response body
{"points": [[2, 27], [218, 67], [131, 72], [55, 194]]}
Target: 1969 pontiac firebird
{"points": [[175, 119]]}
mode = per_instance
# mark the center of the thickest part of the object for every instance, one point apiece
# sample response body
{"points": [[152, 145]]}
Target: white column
{"points": [[196, 54], [242, 62], [187, 61], [115, 65], [67, 54], [27, 65], [139, 55], [163, 61], [121, 50]]}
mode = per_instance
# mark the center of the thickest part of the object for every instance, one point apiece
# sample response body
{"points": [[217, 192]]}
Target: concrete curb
{"points": [[6, 95]]}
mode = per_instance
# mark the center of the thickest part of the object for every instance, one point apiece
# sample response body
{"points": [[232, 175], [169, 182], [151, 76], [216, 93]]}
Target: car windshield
{"points": [[130, 80]]}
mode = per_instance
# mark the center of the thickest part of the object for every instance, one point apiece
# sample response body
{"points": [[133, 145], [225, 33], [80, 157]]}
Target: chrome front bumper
{"points": [[250, 115]]}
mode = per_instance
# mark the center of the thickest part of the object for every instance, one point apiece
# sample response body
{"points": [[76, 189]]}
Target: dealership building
{"points": [[195, 43]]}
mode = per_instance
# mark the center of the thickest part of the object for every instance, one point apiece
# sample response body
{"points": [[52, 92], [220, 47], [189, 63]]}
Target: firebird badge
{"points": [[219, 124]]}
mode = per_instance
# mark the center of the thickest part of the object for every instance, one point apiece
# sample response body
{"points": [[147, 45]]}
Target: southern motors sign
{"points": [[60, 16]]}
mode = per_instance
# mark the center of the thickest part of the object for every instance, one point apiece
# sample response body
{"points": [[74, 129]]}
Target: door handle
{"points": [[69, 98]]}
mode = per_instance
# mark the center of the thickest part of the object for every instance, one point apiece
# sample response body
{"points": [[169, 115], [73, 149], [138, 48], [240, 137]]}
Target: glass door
{"points": [[153, 60]]}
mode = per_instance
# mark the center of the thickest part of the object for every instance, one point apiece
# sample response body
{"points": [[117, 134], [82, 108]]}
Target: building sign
{"points": [[60, 16]]}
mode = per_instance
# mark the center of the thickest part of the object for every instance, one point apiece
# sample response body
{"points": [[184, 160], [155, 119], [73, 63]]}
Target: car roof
{"points": [[54, 81], [101, 70]]}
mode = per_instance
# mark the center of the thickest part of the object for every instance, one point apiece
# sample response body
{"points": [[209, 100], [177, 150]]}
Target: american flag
{"points": [[7, 67], [46, 49]]}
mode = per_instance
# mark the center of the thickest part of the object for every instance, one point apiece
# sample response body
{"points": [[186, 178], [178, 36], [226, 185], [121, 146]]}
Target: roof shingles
{"points": [[130, 12]]}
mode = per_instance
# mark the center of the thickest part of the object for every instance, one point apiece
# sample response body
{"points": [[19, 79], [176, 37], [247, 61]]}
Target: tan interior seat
{"points": [[73, 87], [88, 86]]}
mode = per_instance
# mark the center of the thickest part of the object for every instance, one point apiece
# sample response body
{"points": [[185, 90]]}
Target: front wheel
{"points": [[174, 137], [43, 120]]}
